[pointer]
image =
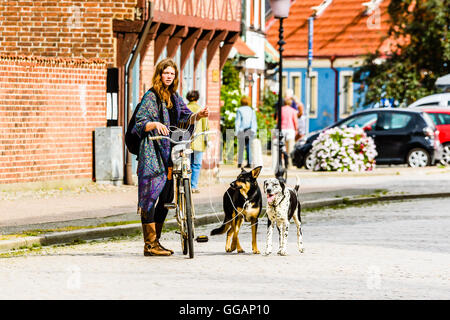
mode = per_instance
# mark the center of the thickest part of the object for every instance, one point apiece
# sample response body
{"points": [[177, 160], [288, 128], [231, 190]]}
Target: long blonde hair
{"points": [[163, 91]]}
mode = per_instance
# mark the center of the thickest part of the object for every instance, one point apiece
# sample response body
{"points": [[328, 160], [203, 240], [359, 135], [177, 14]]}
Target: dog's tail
{"points": [[297, 184], [219, 230], [222, 229]]}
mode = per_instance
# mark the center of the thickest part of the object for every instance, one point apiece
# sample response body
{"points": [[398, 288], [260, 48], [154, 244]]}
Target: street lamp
{"points": [[280, 10]]}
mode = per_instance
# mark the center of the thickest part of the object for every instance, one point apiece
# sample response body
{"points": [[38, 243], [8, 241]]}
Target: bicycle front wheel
{"points": [[189, 219], [181, 211]]}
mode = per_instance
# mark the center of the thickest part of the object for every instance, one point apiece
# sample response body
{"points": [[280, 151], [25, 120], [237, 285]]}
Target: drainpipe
{"points": [[336, 89], [129, 84]]}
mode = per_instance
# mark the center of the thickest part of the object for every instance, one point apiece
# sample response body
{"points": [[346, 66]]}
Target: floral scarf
{"points": [[154, 156]]}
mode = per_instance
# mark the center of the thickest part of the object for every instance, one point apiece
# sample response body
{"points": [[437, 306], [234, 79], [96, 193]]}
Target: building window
{"points": [[201, 79], [296, 85], [314, 95], [162, 56], [261, 14], [346, 93], [178, 62], [252, 13], [257, 6], [188, 75], [112, 90]]}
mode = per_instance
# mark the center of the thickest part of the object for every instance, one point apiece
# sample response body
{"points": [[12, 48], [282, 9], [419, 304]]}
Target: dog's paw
{"points": [[282, 253], [301, 249], [256, 251], [241, 251], [267, 253]]}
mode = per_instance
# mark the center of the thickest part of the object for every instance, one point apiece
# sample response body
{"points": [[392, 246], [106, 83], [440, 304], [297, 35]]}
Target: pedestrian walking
{"points": [[161, 107], [301, 121], [245, 130], [289, 127], [294, 104], [199, 144]]}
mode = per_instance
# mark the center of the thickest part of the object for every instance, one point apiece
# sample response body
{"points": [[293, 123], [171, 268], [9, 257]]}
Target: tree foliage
{"points": [[419, 54], [230, 94], [266, 112]]}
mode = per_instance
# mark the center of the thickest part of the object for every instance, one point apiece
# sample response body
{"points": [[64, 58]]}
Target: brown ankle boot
{"points": [[151, 246], [159, 227]]}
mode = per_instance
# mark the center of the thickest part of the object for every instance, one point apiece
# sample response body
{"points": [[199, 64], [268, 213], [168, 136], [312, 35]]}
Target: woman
{"points": [[161, 107], [199, 144], [245, 129], [289, 127]]}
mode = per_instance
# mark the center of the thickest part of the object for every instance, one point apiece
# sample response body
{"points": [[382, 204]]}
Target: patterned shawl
{"points": [[153, 161]]}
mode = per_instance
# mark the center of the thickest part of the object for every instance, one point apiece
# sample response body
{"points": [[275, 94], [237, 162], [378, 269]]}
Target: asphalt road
{"points": [[392, 250]]}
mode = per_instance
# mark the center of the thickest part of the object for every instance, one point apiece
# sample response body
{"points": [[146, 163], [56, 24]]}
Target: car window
{"points": [[434, 117], [364, 121], [429, 104], [392, 121], [429, 120], [444, 118]]}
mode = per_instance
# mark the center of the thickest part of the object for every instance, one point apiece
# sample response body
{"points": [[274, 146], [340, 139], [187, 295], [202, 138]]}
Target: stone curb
{"points": [[266, 172], [132, 229]]}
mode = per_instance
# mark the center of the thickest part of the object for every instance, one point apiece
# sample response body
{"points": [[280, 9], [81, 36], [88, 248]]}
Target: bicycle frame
{"points": [[184, 206], [181, 171]]}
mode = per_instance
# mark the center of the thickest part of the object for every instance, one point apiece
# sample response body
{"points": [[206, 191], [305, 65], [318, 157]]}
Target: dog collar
{"points": [[284, 196]]}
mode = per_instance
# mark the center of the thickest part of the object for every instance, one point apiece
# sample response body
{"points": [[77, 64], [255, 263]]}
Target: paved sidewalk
{"points": [[93, 204]]}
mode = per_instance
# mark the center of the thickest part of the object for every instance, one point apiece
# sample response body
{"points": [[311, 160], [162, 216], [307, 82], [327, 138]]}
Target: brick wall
{"points": [[66, 28], [52, 91], [147, 66], [49, 108]]}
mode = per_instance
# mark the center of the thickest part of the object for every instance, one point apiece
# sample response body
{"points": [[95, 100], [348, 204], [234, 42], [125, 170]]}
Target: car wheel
{"points": [[446, 155], [309, 161], [418, 157]]}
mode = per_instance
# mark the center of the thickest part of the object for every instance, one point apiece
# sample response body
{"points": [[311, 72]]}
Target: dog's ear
{"points": [[256, 172], [265, 184], [283, 186]]}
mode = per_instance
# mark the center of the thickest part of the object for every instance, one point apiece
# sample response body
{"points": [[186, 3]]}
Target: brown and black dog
{"points": [[242, 200]]}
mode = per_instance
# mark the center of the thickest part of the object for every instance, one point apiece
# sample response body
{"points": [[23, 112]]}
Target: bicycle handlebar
{"points": [[183, 141]]}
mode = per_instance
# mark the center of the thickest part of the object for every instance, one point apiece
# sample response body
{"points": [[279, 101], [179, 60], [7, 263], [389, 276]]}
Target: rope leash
{"points": [[240, 213]]}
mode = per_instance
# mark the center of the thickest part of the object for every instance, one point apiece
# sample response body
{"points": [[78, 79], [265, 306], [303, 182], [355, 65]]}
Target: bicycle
{"points": [[184, 207]]}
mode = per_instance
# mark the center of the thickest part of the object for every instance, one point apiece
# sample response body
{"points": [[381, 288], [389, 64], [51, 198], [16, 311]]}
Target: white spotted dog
{"points": [[282, 205]]}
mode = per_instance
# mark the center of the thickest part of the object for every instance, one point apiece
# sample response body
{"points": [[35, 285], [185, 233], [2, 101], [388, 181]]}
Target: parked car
{"points": [[441, 118], [400, 136], [441, 100]]}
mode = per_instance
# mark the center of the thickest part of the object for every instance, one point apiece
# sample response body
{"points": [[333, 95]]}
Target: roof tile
{"points": [[342, 30]]}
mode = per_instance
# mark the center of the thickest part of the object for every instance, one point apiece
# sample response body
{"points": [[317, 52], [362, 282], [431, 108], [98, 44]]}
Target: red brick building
{"points": [[65, 70]]}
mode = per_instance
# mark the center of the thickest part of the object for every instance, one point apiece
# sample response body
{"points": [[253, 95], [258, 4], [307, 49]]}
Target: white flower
{"points": [[344, 149]]}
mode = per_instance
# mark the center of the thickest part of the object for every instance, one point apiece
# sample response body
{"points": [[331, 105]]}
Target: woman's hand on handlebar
{"points": [[161, 128]]}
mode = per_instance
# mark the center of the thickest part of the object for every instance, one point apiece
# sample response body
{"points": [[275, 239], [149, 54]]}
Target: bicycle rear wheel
{"points": [[188, 215], [181, 213]]}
